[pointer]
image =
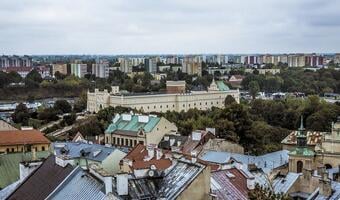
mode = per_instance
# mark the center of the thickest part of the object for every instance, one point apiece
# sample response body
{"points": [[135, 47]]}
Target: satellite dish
{"points": [[151, 173]]}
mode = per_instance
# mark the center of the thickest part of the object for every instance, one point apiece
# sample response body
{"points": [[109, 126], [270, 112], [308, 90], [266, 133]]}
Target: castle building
{"points": [[175, 99]]}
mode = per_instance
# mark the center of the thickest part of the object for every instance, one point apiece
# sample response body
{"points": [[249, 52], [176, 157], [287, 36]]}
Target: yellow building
{"points": [[162, 102], [23, 141]]}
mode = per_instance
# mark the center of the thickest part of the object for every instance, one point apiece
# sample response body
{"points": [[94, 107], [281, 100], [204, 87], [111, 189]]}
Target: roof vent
{"points": [[143, 119], [96, 153], [126, 117]]}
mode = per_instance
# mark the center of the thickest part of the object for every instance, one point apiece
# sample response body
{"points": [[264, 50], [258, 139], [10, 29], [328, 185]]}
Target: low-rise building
{"points": [[23, 141], [84, 154], [132, 129], [79, 70]]}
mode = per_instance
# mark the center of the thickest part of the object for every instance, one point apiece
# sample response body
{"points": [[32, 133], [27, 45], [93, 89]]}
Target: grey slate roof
{"points": [[74, 150], [167, 186], [282, 184], [266, 162], [78, 185], [334, 196]]}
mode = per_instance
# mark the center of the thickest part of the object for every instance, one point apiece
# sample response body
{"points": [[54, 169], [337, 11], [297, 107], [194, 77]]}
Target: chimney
{"points": [[26, 168], [325, 187], [250, 183], [151, 151], [108, 184], [159, 154], [196, 135], [34, 153], [193, 156], [122, 184]]}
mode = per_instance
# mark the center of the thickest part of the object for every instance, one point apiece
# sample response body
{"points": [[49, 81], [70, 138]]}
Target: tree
{"points": [[48, 115], [14, 77], [59, 76], [62, 106], [21, 115], [35, 76], [254, 88], [70, 119], [229, 100]]}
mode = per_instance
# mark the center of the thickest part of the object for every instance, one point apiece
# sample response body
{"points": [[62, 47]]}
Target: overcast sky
{"points": [[168, 26]]}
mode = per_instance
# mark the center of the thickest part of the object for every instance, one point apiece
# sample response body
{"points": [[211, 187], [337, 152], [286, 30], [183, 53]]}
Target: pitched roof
{"points": [[266, 162], [176, 179], [9, 165], [229, 184], [40, 183], [17, 137], [73, 150], [4, 126], [281, 184], [137, 155], [221, 86], [313, 138], [134, 123], [335, 195], [78, 185]]}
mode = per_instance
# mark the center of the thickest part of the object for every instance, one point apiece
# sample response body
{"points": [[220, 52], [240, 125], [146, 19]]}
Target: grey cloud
{"points": [[168, 26]]}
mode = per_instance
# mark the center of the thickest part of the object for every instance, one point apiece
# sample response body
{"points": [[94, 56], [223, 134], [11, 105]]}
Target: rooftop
{"points": [[266, 162], [132, 123], [229, 184], [313, 138], [175, 180], [139, 153], [9, 165], [41, 182], [79, 185], [281, 184], [20, 137], [73, 150]]}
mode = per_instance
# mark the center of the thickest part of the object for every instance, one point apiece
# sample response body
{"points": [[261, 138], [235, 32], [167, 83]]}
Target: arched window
{"points": [[299, 166]]}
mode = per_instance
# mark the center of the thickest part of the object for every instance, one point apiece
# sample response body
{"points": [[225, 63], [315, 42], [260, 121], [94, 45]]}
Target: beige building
{"points": [[23, 141], [61, 68], [132, 129], [296, 60], [162, 102]]}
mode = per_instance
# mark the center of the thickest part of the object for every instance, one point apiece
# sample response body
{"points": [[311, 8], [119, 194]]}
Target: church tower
{"points": [[301, 157]]}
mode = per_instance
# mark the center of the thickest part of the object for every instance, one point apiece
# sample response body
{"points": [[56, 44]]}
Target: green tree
{"points": [[63, 106], [254, 88], [229, 100], [21, 114]]}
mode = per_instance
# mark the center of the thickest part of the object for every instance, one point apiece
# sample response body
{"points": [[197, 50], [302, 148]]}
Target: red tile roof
{"points": [[18, 137], [137, 155]]}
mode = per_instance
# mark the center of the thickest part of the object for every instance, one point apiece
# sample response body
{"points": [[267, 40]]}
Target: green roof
{"points": [[9, 166], [221, 86], [133, 124], [302, 152]]}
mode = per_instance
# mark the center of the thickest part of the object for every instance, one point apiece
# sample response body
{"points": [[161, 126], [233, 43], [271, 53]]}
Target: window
{"points": [[299, 166], [12, 149], [173, 105], [154, 107], [206, 103], [141, 142], [126, 142], [167, 106], [42, 148], [135, 142], [113, 140], [107, 140], [189, 105], [130, 143], [160, 106]]}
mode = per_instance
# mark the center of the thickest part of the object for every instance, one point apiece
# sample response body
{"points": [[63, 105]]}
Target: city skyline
{"points": [[168, 27]]}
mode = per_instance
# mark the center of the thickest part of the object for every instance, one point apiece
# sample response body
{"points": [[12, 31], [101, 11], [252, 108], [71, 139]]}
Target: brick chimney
{"points": [[325, 185]]}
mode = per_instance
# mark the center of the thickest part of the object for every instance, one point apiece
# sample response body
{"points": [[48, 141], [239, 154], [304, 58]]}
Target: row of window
{"points": [[9, 150], [124, 142], [173, 106]]}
